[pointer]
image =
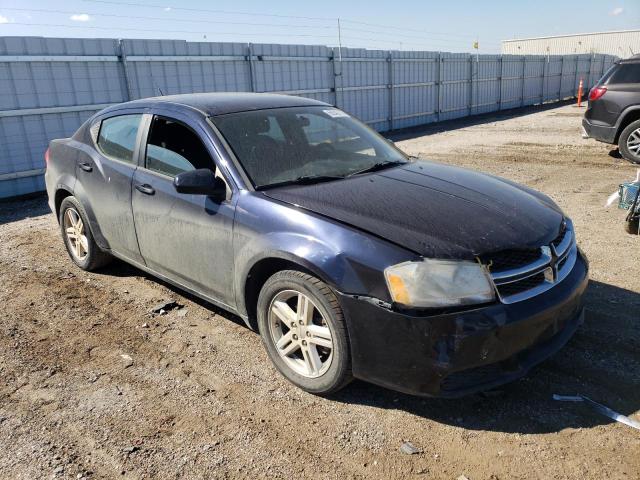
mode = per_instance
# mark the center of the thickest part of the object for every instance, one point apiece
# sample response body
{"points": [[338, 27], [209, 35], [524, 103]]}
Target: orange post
{"points": [[580, 86]]}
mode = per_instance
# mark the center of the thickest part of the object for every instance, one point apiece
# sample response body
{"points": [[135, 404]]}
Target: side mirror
{"points": [[201, 182]]}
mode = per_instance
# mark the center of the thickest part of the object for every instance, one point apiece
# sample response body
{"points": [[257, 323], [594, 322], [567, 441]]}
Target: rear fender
{"points": [[84, 153]]}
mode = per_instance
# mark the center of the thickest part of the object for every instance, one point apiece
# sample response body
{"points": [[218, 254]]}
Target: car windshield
{"points": [[304, 144]]}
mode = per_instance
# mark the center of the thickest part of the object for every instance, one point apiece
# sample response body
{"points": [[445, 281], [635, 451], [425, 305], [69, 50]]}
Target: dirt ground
{"points": [[94, 386]]}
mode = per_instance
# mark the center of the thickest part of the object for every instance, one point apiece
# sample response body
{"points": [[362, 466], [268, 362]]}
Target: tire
{"points": [[631, 226], [631, 134], [86, 254], [303, 356]]}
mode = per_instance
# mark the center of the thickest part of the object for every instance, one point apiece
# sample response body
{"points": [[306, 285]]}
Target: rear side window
{"points": [[625, 73], [117, 137]]}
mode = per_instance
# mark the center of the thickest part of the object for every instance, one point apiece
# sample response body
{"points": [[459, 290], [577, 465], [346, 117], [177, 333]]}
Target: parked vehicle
{"points": [[613, 113], [349, 258]]}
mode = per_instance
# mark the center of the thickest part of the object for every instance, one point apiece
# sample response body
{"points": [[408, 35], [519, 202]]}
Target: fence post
{"points": [[337, 72], [122, 55], [470, 84], [524, 71], [500, 82], [390, 89], [561, 77], [252, 83], [575, 79], [439, 86], [545, 79]]}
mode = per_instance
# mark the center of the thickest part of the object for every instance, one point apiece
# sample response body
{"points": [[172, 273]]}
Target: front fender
{"points": [[320, 258], [349, 260]]}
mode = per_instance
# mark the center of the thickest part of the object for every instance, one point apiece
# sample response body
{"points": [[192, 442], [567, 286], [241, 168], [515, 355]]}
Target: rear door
{"points": [[187, 238], [104, 177]]}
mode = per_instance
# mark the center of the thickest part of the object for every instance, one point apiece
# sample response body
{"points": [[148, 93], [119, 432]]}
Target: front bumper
{"points": [[601, 133], [454, 354]]}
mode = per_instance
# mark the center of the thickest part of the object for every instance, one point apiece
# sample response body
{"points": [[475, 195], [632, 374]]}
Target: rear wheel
{"points": [[77, 236], [632, 226], [303, 330], [629, 142]]}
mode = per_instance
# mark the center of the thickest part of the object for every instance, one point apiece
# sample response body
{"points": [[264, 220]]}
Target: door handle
{"points": [[85, 166], [145, 188]]}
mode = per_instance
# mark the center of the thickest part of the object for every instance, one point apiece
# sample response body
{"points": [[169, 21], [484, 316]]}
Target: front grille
{"points": [[523, 285], [563, 232], [508, 259], [522, 274]]}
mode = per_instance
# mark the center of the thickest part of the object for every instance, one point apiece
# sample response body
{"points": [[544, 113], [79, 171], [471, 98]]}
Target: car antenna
{"points": [[160, 90]]}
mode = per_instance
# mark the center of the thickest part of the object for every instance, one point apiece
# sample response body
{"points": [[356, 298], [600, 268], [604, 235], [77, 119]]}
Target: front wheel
{"points": [[304, 332], [629, 142]]}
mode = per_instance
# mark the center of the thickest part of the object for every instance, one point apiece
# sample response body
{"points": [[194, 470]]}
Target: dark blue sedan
{"points": [[350, 258]]}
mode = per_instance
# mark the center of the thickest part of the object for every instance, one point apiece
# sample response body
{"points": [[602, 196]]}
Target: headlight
{"points": [[439, 283]]}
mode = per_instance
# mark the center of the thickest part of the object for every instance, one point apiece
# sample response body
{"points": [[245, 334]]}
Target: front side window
{"points": [[173, 148], [117, 137], [284, 145]]}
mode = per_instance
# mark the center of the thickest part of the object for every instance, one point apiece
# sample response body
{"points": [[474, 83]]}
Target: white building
{"points": [[621, 44]]}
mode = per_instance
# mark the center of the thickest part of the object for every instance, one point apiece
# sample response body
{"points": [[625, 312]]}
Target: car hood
{"points": [[435, 210]]}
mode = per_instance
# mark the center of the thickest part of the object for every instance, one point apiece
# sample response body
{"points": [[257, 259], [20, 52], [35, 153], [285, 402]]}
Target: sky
{"points": [[452, 25]]}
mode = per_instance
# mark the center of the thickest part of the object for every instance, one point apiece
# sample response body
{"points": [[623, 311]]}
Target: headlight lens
{"points": [[439, 283]]}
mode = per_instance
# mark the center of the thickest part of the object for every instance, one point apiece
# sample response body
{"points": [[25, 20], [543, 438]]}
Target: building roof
{"points": [[221, 103], [612, 32]]}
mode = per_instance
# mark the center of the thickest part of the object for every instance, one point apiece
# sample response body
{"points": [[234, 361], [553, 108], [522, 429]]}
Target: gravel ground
{"points": [[93, 385]]}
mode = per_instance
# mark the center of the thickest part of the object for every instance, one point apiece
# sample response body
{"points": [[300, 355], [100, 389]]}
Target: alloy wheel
{"points": [[633, 142], [300, 333], [74, 230]]}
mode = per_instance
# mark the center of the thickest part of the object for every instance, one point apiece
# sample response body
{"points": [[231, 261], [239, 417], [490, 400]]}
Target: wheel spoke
{"points": [[305, 309], [80, 225], [286, 344], [284, 312], [320, 336], [78, 248], [71, 217], [312, 359], [84, 243]]}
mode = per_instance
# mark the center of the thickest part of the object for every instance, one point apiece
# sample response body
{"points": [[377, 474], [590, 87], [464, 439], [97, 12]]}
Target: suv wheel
{"points": [[632, 226], [77, 236], [304, 332], [629, 142]]}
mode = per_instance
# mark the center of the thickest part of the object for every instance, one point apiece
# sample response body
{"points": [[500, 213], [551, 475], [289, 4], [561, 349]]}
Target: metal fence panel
{"points": [[415, 88], [49, 86], [366, 83]]}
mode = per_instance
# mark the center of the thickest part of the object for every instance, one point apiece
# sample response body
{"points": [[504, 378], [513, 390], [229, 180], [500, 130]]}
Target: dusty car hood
{"points": [[434, 210]]}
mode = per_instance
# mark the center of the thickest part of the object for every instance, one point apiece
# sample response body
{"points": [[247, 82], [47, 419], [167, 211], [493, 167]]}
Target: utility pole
{"points": [[340, 44]]}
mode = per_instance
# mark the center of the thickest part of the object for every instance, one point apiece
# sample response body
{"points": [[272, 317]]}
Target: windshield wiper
{"points": [[377, 166], [302, 180]]}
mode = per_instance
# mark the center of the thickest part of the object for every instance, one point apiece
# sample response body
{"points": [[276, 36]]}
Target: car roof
{"points": [[632, 59], [220, 103]]}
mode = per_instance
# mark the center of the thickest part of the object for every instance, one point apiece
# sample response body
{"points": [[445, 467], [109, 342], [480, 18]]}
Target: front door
{"points": [[187, 238]]}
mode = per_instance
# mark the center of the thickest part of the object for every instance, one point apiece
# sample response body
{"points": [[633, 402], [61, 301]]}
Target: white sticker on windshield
{"points": [[335, 113]]}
